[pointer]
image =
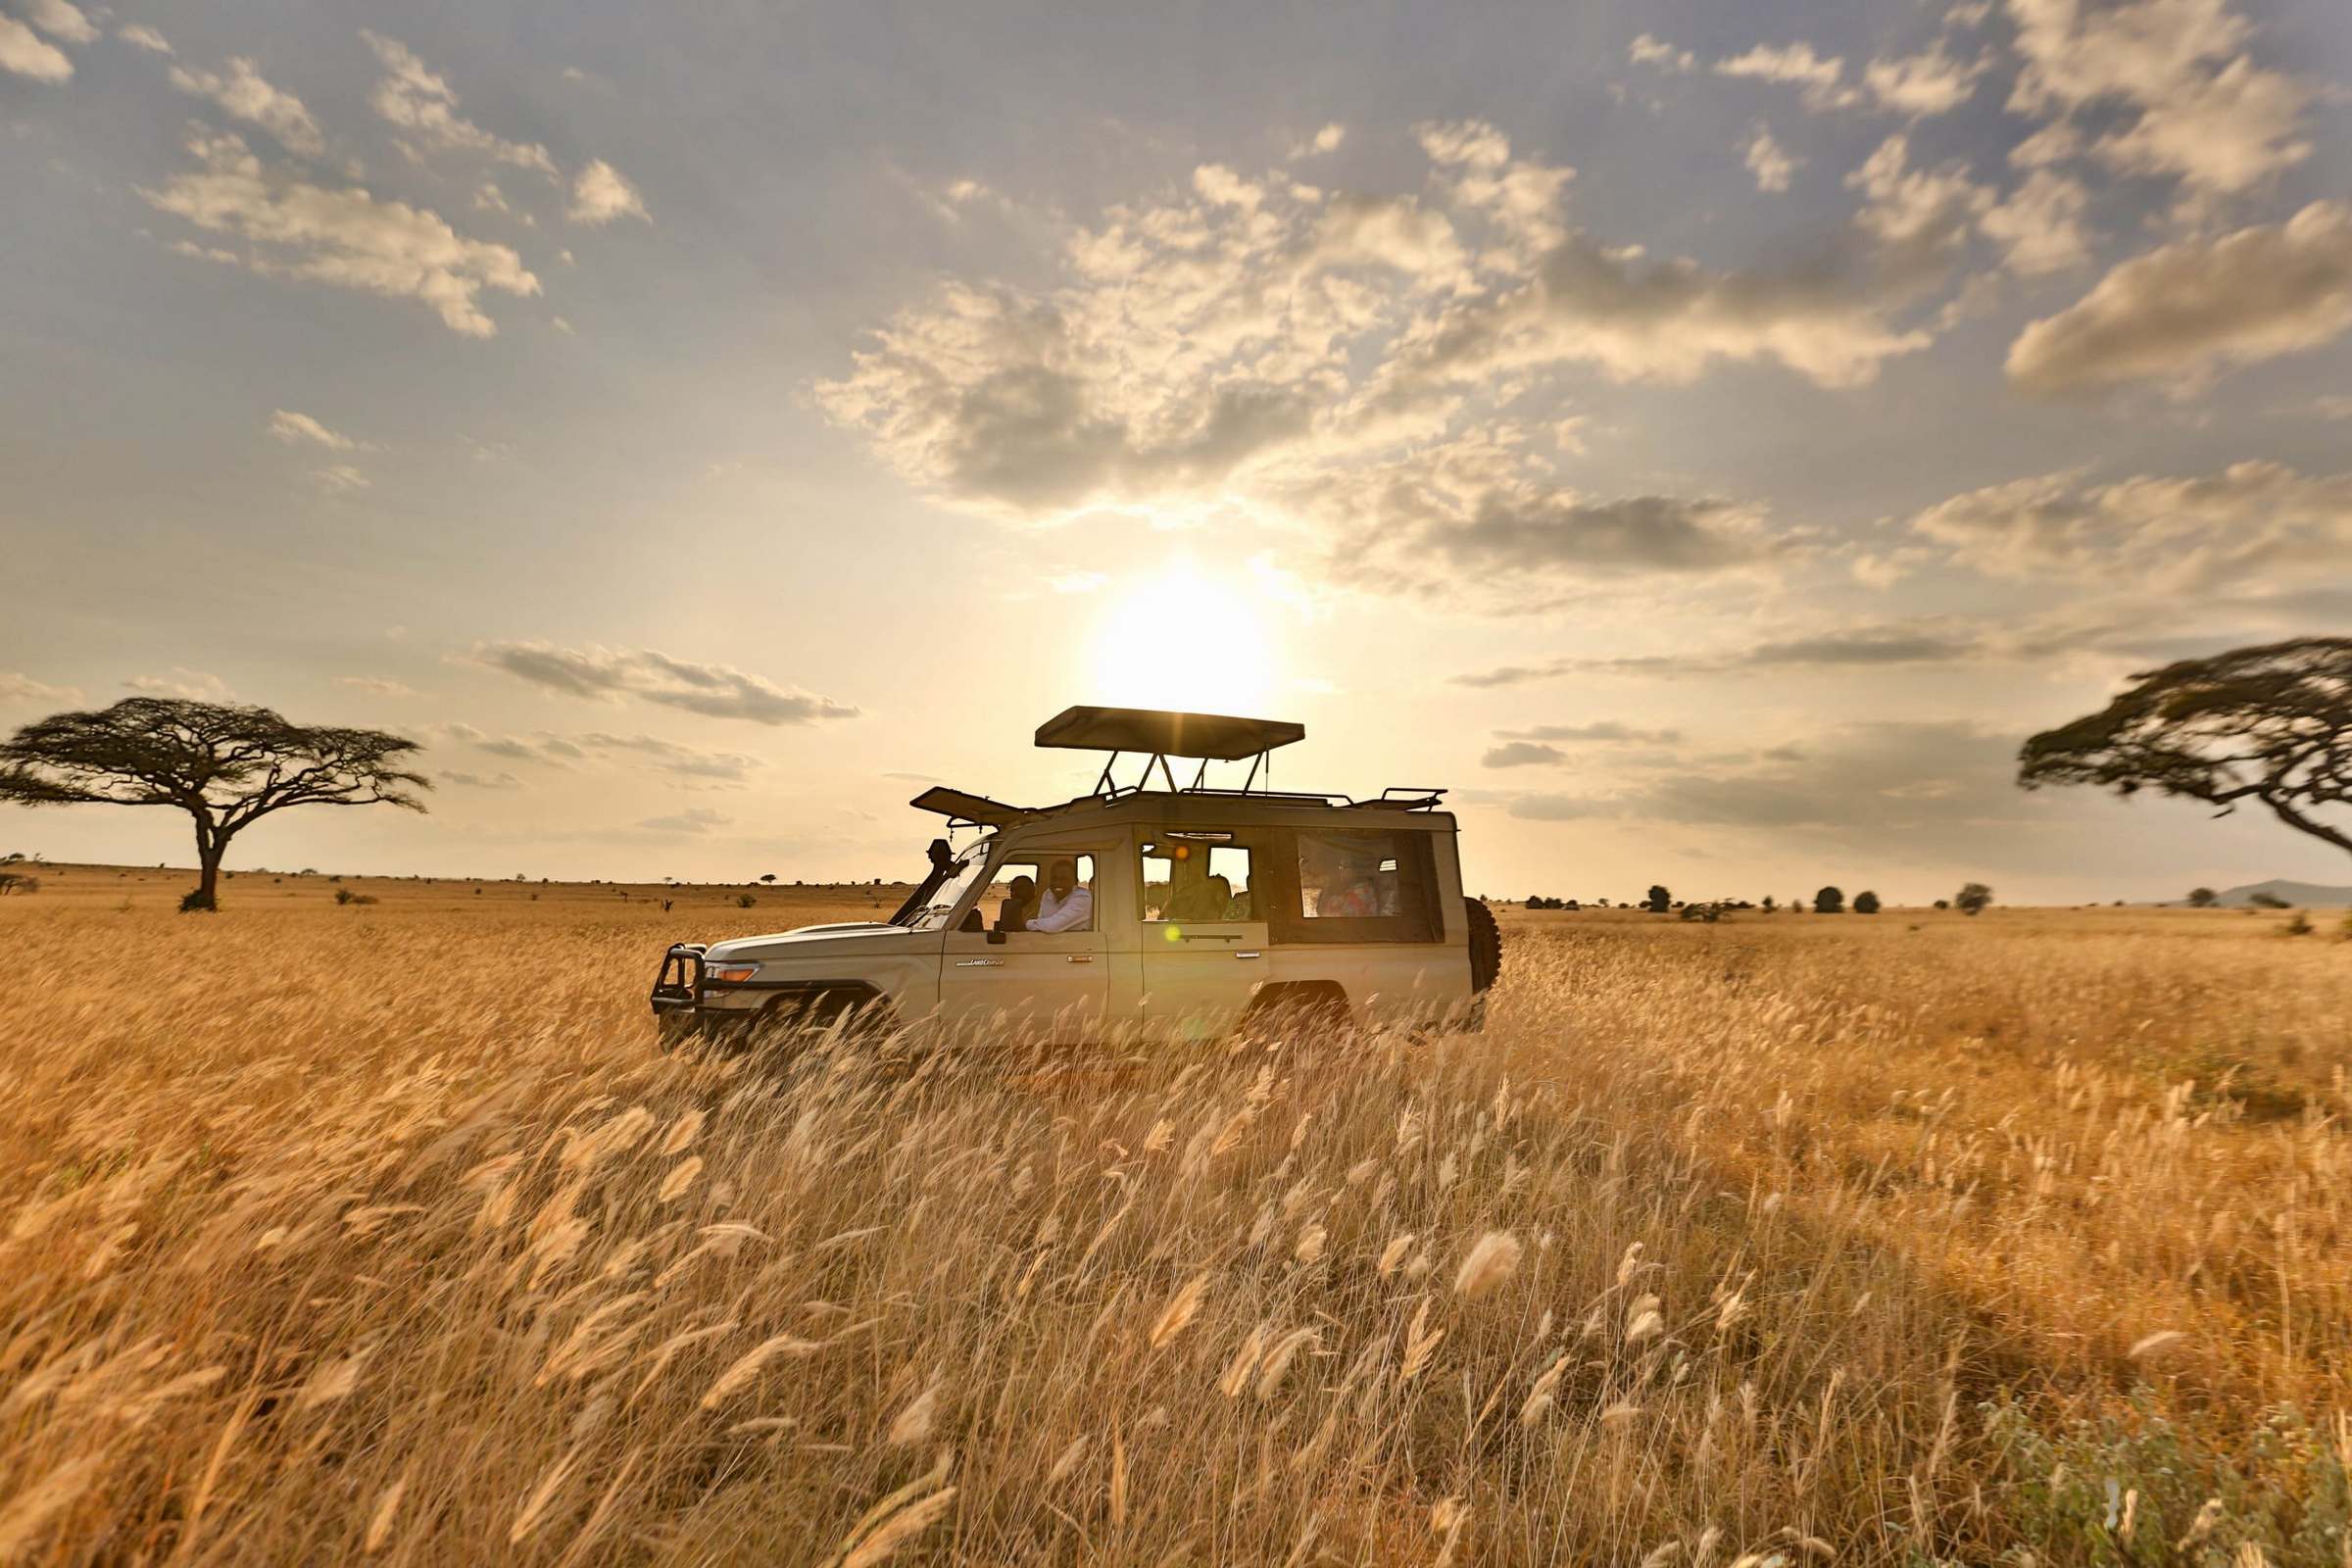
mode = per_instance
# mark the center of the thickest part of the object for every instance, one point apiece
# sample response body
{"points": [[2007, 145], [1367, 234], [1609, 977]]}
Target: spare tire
{"points": [[1486, 945]]}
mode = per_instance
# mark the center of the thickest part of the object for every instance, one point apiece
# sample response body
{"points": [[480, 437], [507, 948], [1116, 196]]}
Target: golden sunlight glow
{"points": [[1183, 638]]}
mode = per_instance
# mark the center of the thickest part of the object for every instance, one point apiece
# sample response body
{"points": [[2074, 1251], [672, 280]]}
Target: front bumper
{"points": [[685, 1003]]}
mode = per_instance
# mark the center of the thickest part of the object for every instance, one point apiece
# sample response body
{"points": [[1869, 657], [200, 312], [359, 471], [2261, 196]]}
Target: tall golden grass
{"points": [[385, 1232]]}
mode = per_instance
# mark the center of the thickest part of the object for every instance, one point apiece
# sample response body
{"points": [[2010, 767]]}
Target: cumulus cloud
{"points": [[600, 194], [297, 429], [1387, 373], [342, 478], [1823, 77], [1931, 82], [2249, 521], [425, 107], [707, 769], [2176, 76], [2195, 308], [339, 235], [1524, 753], [715, 691], [61, 20], [1648, 51], [193, 684], [1767, 159], [2040, 225], [20, 688], [25, 53], [144, 36], [242, 94], [1919, 217]]}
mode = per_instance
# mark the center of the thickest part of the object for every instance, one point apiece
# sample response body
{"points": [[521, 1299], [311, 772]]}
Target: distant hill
{"points": [[2302, 895]]}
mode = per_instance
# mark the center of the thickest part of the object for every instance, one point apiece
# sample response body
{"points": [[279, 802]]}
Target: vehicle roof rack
{"points": [[1404, 798]]}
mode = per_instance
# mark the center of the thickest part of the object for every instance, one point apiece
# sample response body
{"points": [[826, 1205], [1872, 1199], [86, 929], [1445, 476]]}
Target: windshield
{"points": [[941, 900]]}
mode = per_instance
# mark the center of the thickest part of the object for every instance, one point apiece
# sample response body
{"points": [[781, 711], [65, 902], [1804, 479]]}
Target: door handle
{"points": [[1249, 954], [1207, 935], [979, 964], [1082, 957]]}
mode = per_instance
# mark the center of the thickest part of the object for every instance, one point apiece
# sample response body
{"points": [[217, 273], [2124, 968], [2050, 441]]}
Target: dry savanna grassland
{"points": [[381, 1230]]}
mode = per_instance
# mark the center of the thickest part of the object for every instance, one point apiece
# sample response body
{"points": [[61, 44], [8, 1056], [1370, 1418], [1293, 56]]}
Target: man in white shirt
{"points": [[1065, 906]]}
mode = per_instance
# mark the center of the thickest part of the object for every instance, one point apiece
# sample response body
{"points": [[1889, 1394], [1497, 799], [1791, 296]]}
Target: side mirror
{"points": [[996, 939]]}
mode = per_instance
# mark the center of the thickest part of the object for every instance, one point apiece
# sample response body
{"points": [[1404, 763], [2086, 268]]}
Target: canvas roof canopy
{"points": [[1218, 737]]}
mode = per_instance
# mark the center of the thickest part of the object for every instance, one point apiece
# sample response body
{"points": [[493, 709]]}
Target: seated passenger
{"points": [[1021, 901], [1349, 895], [1067, 906]]}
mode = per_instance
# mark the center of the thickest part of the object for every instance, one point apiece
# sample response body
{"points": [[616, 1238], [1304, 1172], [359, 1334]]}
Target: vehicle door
{"points": [[996, 971], [1203, 929]]}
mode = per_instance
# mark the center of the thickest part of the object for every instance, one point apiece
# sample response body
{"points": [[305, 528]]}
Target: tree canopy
{"points": [[2270, 724], [227, 766], [1828, 901]]}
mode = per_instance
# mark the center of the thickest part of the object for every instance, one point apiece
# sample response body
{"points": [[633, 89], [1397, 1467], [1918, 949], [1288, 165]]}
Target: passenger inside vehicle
{"points": [[1067, 904], [1019, 905]]}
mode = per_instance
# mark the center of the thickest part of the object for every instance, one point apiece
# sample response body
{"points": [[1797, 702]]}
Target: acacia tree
{"points": [[2202, 898], [1866, 903], [1973, 898], [1828, 901], [1659, 899], [225, 766], [2272, 724]]}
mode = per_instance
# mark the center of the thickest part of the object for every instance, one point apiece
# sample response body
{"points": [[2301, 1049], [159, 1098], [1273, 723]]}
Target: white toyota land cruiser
{"points": [[1177, 910]]}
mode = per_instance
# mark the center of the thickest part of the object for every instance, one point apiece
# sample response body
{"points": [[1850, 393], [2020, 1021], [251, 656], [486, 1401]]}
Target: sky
{"points": [[1705, 439]]}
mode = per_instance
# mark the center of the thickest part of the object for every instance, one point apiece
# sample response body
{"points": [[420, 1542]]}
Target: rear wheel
{"points": [[1486, 945]]}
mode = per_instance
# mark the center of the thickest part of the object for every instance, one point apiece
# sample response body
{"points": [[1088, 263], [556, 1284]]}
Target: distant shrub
{"points": [[2299, 926], [1828, 901], [744, 901], [18, 882], [1866, 903], [1973, 898], [2265, 901], [346, 896], [1943, 904]]}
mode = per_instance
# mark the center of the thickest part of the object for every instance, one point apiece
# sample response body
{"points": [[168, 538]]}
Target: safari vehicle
{"points": [[1177, 910]]}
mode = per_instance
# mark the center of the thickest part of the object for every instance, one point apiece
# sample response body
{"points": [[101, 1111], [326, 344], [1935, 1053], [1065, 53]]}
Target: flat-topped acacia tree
{"points": [[2270, 724], [227, 766]]}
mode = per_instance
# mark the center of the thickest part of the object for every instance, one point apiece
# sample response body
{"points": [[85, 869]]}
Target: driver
{"points": [[1065, 906]]}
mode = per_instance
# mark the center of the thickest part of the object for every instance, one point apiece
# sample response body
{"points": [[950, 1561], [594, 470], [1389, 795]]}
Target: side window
{"points": [[1041, 893], [1198, 875], [1363, 886]]}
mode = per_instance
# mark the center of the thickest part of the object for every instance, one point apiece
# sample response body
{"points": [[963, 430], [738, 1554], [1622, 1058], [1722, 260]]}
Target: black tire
{"points": [[1486, 946]]}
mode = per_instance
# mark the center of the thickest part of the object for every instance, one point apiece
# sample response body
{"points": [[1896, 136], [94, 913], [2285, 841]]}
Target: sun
{"points": [[1183, 638]]}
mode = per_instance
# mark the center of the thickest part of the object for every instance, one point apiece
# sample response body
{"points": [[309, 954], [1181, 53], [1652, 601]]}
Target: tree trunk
{"points": [[211, 845]]}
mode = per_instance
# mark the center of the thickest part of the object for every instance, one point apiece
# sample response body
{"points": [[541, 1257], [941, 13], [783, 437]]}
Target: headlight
{"points": [[732, 973]]}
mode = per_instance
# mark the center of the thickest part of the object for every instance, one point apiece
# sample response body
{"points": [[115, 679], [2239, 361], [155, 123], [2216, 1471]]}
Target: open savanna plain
{"points": [[382, 1231]]}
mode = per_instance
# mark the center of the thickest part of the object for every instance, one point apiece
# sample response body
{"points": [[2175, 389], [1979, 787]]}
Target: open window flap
{"points": [[1218, 737], [966, 806]]}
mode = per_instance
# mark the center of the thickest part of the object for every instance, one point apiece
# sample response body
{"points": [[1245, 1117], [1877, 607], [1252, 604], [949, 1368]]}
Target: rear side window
{"points": [[1198, 876], [1361, 887]]}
